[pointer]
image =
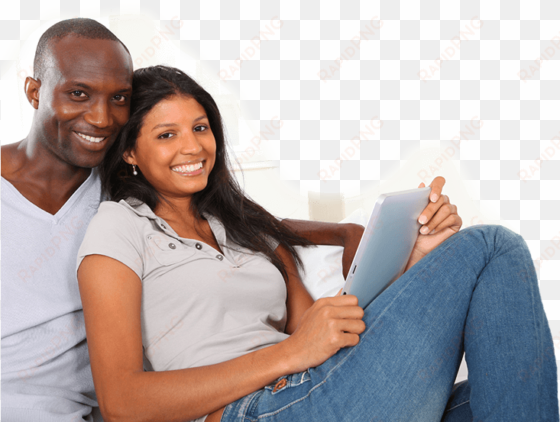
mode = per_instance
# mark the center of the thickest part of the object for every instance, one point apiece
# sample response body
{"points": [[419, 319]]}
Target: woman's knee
{"points": [[494, 236]]}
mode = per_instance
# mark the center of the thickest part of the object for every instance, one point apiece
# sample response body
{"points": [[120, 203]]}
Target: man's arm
{"points": [[347, 235]]}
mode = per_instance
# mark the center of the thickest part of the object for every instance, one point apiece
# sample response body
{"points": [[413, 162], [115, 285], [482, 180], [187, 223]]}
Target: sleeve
{"points": [[272, 242], [113, 232]]}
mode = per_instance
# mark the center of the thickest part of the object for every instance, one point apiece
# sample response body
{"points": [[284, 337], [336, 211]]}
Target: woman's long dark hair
{"points": [[245, 221]]}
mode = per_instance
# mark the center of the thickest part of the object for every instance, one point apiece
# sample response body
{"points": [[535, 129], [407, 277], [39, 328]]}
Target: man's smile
{"points": [[91, 138]]}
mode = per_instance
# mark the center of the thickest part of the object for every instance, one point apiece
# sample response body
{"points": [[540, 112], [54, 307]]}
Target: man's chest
{"points": [[49, 200]]}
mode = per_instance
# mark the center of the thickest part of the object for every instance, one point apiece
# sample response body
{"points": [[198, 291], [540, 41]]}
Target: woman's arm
{"points": [[111, 296], [298, 298]]}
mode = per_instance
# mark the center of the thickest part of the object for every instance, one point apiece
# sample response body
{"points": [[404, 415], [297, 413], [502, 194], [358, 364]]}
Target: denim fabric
{"points": [[476, 293]]}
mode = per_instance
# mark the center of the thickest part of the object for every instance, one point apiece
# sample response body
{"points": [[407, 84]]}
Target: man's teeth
{"points": [[90, 138], [187, 169]]}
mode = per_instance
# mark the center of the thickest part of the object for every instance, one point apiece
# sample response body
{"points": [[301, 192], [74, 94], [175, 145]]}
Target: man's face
{"points": [[84, 99]]}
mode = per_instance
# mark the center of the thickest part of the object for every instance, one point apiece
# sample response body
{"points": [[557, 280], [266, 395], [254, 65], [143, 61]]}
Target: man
{"points": [[80, 91]]}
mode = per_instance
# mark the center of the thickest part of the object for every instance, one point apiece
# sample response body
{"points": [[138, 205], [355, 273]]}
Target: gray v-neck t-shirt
{"points": [[199, 306]]}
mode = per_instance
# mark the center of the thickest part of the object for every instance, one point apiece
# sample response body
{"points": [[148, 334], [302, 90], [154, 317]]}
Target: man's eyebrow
{"points": [[86, 86], [175, 124], [80, 84]]}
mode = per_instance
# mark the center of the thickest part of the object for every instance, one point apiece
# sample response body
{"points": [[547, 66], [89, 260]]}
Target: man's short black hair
{"points": [[80, 27]]}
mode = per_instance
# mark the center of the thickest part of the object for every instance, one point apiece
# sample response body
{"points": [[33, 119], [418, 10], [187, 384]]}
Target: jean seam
{"points": [[455, 407], [538, 343], [292, 403], [245, 407]]}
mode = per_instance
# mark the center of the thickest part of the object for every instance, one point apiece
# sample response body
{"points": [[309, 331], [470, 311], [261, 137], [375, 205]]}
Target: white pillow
{"points": [[323, 264]]}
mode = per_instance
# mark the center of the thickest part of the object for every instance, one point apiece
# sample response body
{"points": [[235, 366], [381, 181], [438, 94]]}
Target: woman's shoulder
{"points": [[115, 231], [121, 215], [126, 208]]}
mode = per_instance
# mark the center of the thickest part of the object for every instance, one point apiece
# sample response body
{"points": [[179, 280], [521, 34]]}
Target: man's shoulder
{"points": [[11, 159]]}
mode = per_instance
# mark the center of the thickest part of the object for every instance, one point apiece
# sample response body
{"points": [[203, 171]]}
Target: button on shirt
{"points": [[199, 306]]}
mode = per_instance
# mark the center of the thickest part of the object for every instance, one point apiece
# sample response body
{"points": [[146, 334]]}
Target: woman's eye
{"points": [[200, 128], [165, 135], [120, 98]]}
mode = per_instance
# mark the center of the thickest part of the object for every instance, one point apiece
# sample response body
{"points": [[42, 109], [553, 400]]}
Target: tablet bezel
{"points": [[419, 199]]}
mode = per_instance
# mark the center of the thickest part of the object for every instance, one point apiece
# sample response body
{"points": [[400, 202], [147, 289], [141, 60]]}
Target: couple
{"points": [[148, 270]]}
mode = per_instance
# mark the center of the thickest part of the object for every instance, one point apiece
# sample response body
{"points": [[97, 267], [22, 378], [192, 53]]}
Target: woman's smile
{"points": [[189, 169]]}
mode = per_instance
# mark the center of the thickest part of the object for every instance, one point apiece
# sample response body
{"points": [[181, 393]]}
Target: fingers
{"points": [[431, 209], [437, 186], [441, 215], [351, 339], [342, 307], [356, 326], [346, 312], [453, 222], [442, 235], [339, 300]]}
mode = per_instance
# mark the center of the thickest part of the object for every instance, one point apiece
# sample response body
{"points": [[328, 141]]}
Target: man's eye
{"points": [[78, 93], [166, 135]]}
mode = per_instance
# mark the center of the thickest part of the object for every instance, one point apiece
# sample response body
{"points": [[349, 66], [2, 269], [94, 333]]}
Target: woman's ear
{"points": [[128, 157], [31, 89]]}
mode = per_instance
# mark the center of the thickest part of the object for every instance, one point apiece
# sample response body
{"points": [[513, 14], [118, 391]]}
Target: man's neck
{"points": [[39, 176]]}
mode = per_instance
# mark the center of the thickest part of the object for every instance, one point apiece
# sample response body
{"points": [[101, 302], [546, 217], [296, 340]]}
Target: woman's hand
{"points": [[328, 325], [439, 219]]}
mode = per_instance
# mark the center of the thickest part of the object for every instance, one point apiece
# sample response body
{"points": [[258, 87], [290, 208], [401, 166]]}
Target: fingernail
{"points": [[424, 230], [422, 219], [433, 197]]}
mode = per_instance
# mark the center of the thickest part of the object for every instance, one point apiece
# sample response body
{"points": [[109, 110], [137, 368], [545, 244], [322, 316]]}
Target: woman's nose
{"points": [[190, 145]]}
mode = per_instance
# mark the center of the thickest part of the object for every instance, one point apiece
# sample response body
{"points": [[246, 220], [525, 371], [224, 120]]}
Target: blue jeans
{"points": [[475, 293]]}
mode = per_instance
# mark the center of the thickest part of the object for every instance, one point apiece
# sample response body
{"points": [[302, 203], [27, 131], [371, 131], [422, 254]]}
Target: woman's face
{"points": [[175, 149]]}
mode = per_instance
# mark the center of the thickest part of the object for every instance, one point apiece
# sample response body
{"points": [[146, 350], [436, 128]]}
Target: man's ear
{"points": [[128, 157], [31, 88]]}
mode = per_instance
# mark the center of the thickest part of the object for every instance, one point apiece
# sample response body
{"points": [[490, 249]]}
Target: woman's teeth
{"points": [[90, 138], [187, 169]]}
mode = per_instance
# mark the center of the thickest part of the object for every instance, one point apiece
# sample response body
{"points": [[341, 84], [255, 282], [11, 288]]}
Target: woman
{"points": [[182, 264]]}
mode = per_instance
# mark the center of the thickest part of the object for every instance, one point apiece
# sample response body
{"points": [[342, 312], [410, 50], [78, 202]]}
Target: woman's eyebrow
{"points": [[175, 124], [199, 118], [163, 125]]}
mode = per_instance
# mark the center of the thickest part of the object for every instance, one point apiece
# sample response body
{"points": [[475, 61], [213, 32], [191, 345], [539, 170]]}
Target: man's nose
{"points": [[99, 114]]}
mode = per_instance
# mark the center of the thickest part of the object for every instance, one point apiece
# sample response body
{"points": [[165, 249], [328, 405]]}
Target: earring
{"points": [[134, 172]]}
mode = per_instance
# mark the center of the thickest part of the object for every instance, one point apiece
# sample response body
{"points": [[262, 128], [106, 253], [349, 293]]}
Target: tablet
{"points": [[386, 244]]}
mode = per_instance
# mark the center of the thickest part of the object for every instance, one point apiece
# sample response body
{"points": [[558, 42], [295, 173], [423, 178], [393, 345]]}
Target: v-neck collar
{"points": [[69, 204]]}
